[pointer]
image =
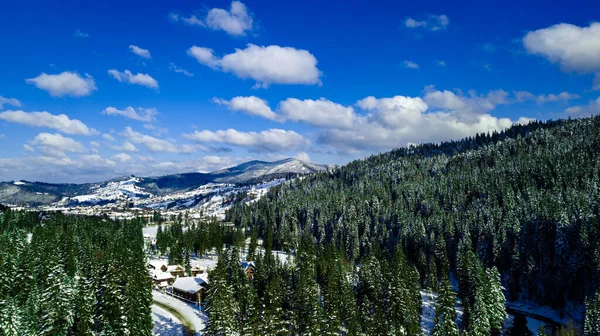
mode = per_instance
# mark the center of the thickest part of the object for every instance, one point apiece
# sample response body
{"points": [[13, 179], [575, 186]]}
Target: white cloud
{"points": [[145, 53], [80, 34], [180, 70], [393, 112], [265, 141], [320, 113], [139, 79], [159, 131], [64, 84], [61, 122], [441, 63], [28, 148], [9, 101], [95, 144], [154, 144], [432, 23], [108, 137], [126, 146], [398, 121], [522, 96], [140, 114], [205, 56], [251, 105], [236, 21], [411, 65], [122, 157], [593, 108], [574, 48], [56, 144], [303, 156], [266, 65]]}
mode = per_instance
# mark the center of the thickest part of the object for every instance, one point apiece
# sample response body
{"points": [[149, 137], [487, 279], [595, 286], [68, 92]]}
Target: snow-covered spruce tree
{"points": [[495, 299], [445, 313], [221, 306], [11, 320], [307, 293], [272, 321], [591, 325]]}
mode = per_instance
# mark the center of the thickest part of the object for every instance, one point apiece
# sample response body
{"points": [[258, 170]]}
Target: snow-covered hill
{"points": [[213, 191]]}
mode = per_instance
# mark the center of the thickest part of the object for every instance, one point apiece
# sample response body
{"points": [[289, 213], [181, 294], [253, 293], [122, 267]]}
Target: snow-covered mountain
{"points": [[170, 191]]}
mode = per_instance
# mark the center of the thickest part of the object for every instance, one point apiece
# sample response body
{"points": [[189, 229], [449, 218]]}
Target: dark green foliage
{"points": [[73, 276]]}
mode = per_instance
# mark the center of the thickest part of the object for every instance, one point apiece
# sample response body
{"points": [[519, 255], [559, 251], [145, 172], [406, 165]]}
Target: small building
{"points": [[191, 288], [249, 268], [175, 270], [162, 279], [197, 270]]}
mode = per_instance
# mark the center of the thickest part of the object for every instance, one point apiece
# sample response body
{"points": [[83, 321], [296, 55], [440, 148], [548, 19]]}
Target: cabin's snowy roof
{"points": [[189, 284], [160, 276], [157, 264], [174, 268]]}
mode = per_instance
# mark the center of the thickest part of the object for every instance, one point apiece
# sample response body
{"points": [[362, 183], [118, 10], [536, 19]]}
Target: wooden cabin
{"points": [[191, 288], [249, 268]]}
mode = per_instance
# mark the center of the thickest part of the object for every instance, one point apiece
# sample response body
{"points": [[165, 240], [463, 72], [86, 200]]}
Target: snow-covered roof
{"points": [[174, 268], [157, 264], [189, 284], [160, 276]]}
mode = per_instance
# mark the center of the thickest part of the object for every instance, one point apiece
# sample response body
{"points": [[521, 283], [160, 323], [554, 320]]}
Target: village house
{"points": [[197, 270], [249, 268], [174, 270], [191, 288], [161, 279]]}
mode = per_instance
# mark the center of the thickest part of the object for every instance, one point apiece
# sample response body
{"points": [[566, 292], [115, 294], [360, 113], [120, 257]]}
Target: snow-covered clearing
{"points": [[195, 318], [569, 314], [428, 299], [165, 324]]}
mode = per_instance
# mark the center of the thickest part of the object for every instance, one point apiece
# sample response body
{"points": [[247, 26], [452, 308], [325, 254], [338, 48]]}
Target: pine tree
{"points": [[591, 324], [11, 321], [496, 300], [445, 313]]}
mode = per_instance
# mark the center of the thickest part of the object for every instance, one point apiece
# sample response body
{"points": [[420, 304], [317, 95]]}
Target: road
{"points": [[191, 318]]}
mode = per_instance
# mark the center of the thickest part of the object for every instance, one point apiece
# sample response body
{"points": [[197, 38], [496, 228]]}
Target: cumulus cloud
{"points": [[266, 65], [108, 137], [145, 53], [411, 65], [56, 144], [177, 69], [64, 84], [9, 101], [275, 140], [140, 114], [154, 144], [574, 48], [251, 105], [61, 122], [320, 113], [399, 121], [393, 112], [522, 96], [122, 157], [431, 23], [593, 108], [125, 146], [138, 79], [236, 21]]}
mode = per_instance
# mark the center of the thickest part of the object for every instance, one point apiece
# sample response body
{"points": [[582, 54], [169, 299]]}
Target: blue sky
{"points": [[100, 89]]}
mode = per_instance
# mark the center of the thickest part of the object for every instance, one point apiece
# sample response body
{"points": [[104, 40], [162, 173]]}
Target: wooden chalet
{"points": [[249, 268], [191, 288]]}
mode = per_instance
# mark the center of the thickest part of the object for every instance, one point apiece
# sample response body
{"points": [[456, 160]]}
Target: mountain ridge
{"points": [[34, 193]]}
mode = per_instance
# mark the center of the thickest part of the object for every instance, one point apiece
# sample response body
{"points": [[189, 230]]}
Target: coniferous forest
{"points": [[503, 216], [66, 275]]}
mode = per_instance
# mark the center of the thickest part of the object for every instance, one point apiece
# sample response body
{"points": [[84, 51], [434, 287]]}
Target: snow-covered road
{"points": [[165, 323], [193, 316]]}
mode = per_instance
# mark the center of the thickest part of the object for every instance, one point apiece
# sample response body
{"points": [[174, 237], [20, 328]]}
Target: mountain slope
{"points": [[253, 172]]}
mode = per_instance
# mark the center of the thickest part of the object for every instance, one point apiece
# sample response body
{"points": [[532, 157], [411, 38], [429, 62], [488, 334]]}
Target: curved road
{"points": [[191, 318]]}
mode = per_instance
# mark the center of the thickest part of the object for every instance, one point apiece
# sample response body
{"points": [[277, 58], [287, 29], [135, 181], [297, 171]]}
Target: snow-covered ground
{"points": [[192, 314], [165, 323]]}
